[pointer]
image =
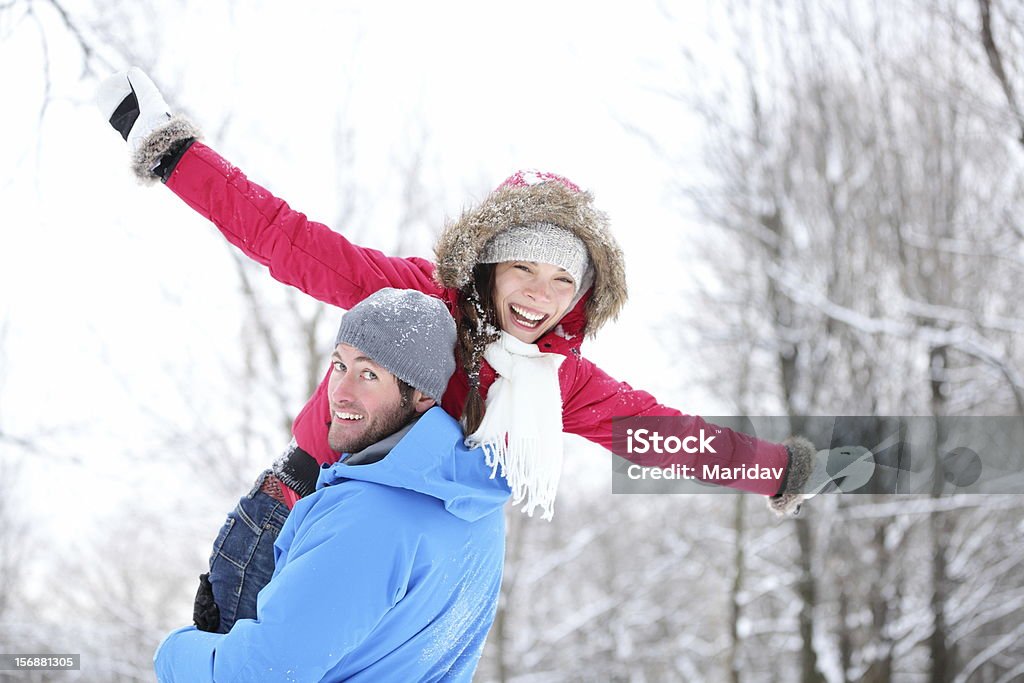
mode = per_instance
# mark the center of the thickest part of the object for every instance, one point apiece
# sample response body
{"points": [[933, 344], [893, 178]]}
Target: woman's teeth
{"points": [[525, 317]]}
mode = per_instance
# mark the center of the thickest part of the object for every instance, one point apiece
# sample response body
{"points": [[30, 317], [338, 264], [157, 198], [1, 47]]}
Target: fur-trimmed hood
{"points": [[554, 201]]}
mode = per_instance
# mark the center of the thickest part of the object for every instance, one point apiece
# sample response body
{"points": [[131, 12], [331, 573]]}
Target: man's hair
{"points": [[405, 391]]}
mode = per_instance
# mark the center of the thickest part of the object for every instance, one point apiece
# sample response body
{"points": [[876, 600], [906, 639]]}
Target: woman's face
{"points": [[531, 297]]}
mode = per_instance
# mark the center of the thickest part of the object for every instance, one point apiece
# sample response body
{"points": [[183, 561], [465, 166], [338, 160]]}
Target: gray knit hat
{"points": [[543, 243], [406, 332]]}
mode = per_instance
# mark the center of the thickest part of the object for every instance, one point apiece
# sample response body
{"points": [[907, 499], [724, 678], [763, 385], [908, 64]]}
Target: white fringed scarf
{"points": [[521, 432]]}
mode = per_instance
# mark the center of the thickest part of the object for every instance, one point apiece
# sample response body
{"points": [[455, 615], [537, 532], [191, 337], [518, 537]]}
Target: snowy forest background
{"points": [[820, 204]]}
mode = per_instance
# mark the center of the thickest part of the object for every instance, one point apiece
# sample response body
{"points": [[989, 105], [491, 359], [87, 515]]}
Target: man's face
{"points": [[366, 404]]}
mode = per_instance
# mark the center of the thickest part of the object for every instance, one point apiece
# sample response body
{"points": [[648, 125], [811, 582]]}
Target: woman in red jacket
{"points": [[527, 274]]}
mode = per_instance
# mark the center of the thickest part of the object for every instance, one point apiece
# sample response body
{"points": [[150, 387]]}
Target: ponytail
{"points": [[477, 328]]}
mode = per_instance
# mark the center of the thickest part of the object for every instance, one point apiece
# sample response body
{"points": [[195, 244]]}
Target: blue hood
{"points": [[433, 460]]}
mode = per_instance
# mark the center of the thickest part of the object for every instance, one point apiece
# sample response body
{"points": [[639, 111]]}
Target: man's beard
{"points": [[379, 427]]}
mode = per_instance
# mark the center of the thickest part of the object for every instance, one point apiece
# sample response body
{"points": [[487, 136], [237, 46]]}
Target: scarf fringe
{"points": [[532, 474]]}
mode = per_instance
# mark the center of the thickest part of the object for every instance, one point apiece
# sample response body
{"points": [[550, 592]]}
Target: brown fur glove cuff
{"points": [[168, 139], [801, 463]]}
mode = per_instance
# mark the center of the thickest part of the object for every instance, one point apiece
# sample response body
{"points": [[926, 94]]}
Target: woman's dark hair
{"points": [[477, 326]]}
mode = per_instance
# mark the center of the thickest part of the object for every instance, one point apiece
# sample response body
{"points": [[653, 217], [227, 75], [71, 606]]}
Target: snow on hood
{"points": [[433, 460]]}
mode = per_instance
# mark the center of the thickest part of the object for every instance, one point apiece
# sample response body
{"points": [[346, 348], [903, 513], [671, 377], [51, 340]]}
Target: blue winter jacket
{"points": [[390, 571]]}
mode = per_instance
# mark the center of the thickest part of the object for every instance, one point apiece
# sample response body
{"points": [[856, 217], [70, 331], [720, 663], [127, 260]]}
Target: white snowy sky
{"points": [[108, 288]]}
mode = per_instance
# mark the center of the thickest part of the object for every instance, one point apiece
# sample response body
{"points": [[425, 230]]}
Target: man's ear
{"points": [[421, 402]]}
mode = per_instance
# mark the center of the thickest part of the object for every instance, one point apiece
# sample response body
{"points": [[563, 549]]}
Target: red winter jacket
{"points": [[325, 265]]}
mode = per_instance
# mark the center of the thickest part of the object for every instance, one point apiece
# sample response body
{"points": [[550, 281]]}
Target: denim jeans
{"points": [[242, 561]]}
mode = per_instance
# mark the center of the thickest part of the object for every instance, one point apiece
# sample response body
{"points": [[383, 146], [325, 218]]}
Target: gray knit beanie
{"points": [[406, 332], [543, 243]]}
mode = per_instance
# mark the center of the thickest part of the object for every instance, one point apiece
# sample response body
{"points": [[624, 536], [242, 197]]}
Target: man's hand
{"points": [[205, 613], [132, 105]]}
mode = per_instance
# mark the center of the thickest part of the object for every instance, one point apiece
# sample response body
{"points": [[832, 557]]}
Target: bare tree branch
{"points": [[995, 61], [88, 52]]}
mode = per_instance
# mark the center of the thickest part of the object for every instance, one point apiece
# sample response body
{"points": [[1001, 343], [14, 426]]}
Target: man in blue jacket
{"points": [[390, 571]]}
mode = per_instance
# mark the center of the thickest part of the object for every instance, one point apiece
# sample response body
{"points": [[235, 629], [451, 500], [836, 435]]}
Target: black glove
{"points": [[205, 613]]}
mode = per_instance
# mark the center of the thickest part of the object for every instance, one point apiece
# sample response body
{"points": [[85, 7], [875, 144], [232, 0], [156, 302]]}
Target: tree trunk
{"points": [[808, 598], [734, 595]]}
